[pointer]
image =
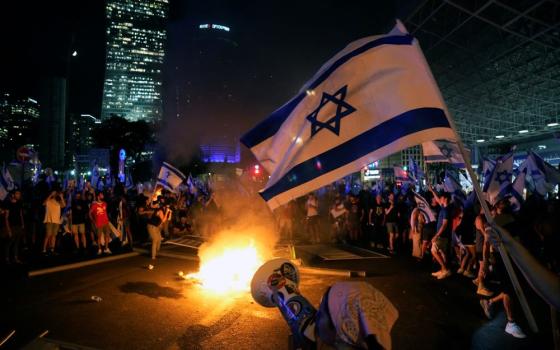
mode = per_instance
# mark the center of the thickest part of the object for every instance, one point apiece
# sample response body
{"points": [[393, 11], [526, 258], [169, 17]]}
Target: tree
{"points": [[117, 132]]}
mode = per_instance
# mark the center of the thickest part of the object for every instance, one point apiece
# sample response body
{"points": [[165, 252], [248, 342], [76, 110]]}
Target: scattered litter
{"points": [[150, 267], [96, 298]]}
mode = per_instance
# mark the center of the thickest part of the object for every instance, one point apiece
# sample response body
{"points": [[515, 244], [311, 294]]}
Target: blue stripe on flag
{"points": [[268, 127], [371, 140], [174, 170], [165, 184]]}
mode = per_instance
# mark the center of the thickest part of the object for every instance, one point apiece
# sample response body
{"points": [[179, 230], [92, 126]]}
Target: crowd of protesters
{"points": [[456, 241], [46, 220]]}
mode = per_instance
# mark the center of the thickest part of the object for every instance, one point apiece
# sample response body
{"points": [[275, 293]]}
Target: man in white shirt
{"points": [[54, 204]]}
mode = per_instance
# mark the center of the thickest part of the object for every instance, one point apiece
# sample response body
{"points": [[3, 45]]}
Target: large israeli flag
{"points": [[543, 175], [375, 97], [170, 177]]}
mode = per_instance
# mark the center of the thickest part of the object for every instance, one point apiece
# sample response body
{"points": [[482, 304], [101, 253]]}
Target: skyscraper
{"points": [[19, 124], [136, 35]]}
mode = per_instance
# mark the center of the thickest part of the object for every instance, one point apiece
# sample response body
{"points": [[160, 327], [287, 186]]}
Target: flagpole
{"points": [[503, 253], [501, 249]]}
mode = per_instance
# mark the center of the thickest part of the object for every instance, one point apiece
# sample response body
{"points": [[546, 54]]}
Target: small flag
{"points": [[453, 186], [374, 98], [487, 169], [402, 175], [414, 170], [543, 175], [500, 181], [517, 188], [443, 151], [424, 208], [170, 177]]}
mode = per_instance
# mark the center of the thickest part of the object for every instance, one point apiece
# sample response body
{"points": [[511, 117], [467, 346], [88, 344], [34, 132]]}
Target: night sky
{"points": [[281, 44]]}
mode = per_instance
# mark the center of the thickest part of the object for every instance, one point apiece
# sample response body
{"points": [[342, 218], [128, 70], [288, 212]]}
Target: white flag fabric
{"points": [[452, 185], [170, 177], [424, 207], [414, 170], [374, 98], [443, 151], [7, 180], [543, 175], [517, 188], [500, 181], [487, 170]]}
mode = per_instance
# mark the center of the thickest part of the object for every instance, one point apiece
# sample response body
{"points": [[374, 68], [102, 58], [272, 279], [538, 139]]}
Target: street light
{"points": [[74, 53]]}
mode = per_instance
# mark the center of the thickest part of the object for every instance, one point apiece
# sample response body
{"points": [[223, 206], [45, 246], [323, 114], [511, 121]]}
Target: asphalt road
{"points": [[156, 309]]}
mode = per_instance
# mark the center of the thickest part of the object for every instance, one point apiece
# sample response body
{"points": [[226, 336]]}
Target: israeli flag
{"points": [[95, 176], [374, 98], [500, 180], [487, 170], [543, 175], [517, 188], [170, 177], [443, 151], [7, 180], [424, 207], [402, 175], [414, 170], [452, 185]]}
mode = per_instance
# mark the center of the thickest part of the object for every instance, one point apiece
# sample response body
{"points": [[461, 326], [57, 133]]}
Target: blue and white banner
{"points": [[374, 98], [170, 177], [543, 175], [443, 151], [452, 185], [500, 181], [487, 169], [414, 170], [424, 207]]}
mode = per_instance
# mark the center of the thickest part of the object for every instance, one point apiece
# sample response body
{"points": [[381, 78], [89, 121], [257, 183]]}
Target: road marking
{"points": [[81, 264]]}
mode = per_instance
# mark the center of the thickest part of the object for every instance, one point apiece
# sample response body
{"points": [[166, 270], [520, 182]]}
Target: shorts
{"points": [[103, 230], [51, 229], [392, 227], [79, 228], [428, 232], [441, 244]]}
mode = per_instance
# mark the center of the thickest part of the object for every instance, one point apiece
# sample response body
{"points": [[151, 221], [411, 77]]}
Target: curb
{"points": [[332, 272], [167, 255], [81, 264]]}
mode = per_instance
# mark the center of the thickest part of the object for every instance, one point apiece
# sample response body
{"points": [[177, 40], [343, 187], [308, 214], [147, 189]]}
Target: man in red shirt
{"points": [[100, 220]]}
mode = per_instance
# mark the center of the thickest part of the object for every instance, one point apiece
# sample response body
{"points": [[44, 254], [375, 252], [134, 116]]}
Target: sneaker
{"points": [[460, 271], [444, 274], [513, 329], [107, 251], [475, 282], [99, 251], [437, 273], [469, 274], [484, 292], [485, 304]]}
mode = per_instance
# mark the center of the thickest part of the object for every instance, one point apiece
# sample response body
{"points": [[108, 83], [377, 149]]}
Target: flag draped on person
{"points": [[443, 151], [414, 170], [500, 181], [7, 180], [374, 98], [170, 177], [543, 175], [424, 207]]}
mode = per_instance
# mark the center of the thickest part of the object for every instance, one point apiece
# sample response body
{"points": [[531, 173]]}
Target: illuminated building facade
{"points": [[19, 119], [136, 36]]}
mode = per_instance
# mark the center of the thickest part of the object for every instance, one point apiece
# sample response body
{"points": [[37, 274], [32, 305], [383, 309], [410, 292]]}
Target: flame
{"points": [[226, 266]]}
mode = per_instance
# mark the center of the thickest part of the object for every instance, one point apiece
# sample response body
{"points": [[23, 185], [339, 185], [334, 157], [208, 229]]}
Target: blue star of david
{"points": [[166, 175], [342, 110], [446, 151], [503, 176]]}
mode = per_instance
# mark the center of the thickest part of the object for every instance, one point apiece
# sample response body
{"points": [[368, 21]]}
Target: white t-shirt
{"points": [[312, 206], [52, 212]]}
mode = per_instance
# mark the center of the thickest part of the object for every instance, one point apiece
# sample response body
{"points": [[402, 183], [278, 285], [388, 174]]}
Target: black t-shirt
{"points": [[392, 215], [14, 217], [378, 214], [79, 211]]}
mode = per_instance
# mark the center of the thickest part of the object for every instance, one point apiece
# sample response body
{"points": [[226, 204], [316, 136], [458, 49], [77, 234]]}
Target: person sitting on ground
{"points": [[182, 227]]}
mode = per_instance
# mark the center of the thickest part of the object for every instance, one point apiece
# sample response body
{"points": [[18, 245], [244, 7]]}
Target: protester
{"points": [[78, 216], [100, 222], [391, 222], [440, 242], [154, 227], [312, 208], [53, 204], [15, 226], [377, 221], [339, 217]]}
